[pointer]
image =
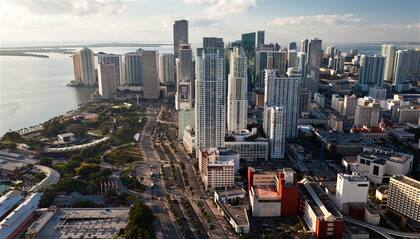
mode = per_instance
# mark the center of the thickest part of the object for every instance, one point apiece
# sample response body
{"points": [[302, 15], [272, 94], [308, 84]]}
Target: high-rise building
{"points": [[302, 60], [339, 64], [248, 42], [283, 91], [269, 59], [371, 72], [213, 42], [166, 69], [304, 100], [84, 66], [132, 67], [106, 80], [292, 46], [349, 107], [304, 46], [330, 51], [367, 112], [275, 128], [104, 58], [180, 30], [414, 62], [401, 68], [150, 75], [184, 97], [314, 63], [292, 59], [404, 196], [351, 188], [237, 102], [260, 38], [210, 100], [388, 51]]}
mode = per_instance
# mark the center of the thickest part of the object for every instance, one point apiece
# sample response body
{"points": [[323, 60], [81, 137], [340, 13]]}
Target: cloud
{"points": [[415, 26], [195, 21], [322, 19], [221, 8], [73, 7]]}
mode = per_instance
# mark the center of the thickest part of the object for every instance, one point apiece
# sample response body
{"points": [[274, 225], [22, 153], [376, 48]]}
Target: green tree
{"points": [[86, 169], [139, 222]]}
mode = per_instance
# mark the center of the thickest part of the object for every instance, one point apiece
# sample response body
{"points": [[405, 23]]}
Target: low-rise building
{"points": [[231, 203], [379, 164], [9, 201], [381, 197], [404, 197], [351, 188], [189, 140], [273, 194], [248, 144]]}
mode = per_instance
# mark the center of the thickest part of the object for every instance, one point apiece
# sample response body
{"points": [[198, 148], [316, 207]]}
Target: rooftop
{"points": [[267, 193], [407, 180], [354, 177]]}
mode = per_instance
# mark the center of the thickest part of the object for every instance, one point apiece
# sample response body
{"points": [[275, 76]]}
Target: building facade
{"points": [[107, 84], [150, 75], [275, 128], [84, 66], [166, 69], [184, 97], [404, 196], [180, 30], [133, 67]]}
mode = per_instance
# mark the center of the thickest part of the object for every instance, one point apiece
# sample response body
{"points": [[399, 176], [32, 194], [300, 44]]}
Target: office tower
{"points": [[184, 97], [371, 72], [237, 102], [304, 46], [84, 66], [302, 59], [210, 100], [213, 42], [283, 91], [404, 197], [367, 112], [269, 59], [180, 30], [314, 63], [166, 69], [248, 44], [292, 59], [339, 64], [104, 58], [414, 62], [292, 46], [275, 128], [132, 67], [351, 188], [106, 80], [150, 75], [401, 68], [388, 51], [330, 51], [377, 93], [260, 38], [304, 100]]}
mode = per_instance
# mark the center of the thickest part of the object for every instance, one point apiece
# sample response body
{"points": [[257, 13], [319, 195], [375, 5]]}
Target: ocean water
{"points": [[32, 89]]}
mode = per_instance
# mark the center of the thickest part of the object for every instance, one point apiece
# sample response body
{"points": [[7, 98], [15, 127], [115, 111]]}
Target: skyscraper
{"points": [[213, 42], [84, 66], [371, 72], [150, 75], [248, 44], [106, 80], [401, 68], [283, 91], [302, 56], [237, 102], [330, 51], [104, 58], [180, 30], [292, 59], [184, 96], [166, 69], [210, 100], [388, 51], [275, 128], [260, 38], [132, 67], [292, 46], [269, 59], [304, 46], [314, 63]]}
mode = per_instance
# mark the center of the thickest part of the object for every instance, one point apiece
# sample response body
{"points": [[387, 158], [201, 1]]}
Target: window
{"points": [[375, 170]]}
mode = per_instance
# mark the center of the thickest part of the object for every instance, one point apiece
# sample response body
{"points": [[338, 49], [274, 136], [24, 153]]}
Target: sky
{"points": [[336, 21]]}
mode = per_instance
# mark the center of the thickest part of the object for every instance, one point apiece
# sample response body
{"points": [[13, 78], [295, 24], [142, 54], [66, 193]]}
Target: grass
{"points": [[124, 155]]}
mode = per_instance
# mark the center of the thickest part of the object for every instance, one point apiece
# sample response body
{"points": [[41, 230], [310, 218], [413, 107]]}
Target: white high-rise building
{"points": [[330, 51], [388, 51], [104, 58], [237, 102], [314, 63], [367, 112], [302, 59], [371, 72], [184, 97], [351, 188], [210, 100], [106, 80], [401, 67], [84, 66], [150, 75], [132, 67], [283, 91], [404, 196], [166, 69], [292, 59], [275, 128]]}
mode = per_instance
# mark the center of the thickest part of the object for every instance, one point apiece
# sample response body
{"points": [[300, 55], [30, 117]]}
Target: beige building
{"points": [[404, 196], [107, 82], [367, 112], [150, 75], [84, 66]]}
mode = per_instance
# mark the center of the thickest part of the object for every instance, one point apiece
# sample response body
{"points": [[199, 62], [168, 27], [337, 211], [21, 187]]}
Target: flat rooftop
{"points": [[407, 180], [80, 223], [354, 177], [268, 193], [381, 157]]}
